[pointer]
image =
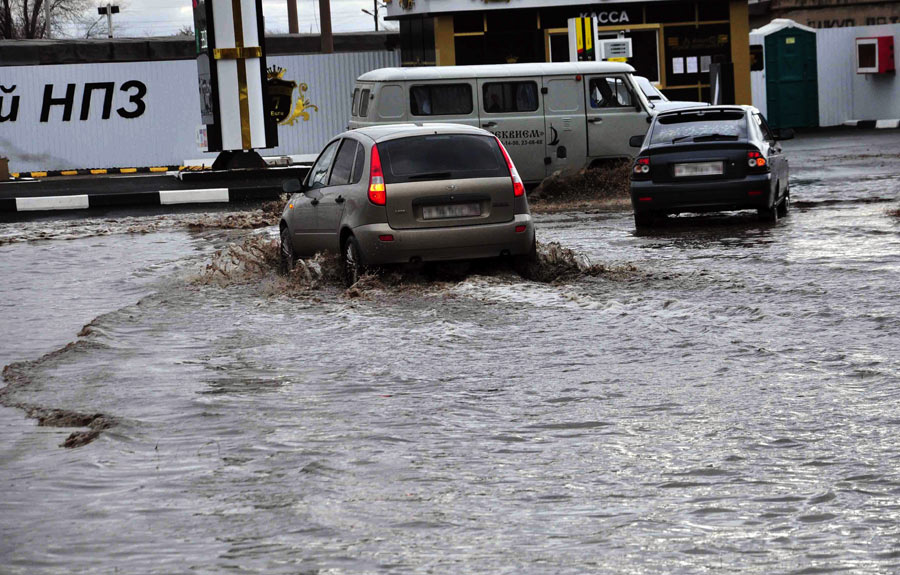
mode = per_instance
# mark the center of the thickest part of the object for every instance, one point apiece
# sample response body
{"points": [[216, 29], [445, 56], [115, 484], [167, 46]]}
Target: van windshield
{"points": [[700, 126], [441, 157]]}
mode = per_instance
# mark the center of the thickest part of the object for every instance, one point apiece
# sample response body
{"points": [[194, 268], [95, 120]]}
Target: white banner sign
{"points": [[139, 114]]}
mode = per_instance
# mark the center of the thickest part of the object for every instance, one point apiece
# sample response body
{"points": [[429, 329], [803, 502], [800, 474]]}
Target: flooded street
{"points": [[719, 395]]}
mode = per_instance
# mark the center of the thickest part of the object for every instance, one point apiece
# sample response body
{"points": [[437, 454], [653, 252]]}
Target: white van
{"points": [[550, 116]]}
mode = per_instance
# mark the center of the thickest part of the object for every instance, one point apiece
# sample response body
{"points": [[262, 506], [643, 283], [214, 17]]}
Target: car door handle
{"points": [[314, 202], [595, 120], [339, 199], [489, 124]]}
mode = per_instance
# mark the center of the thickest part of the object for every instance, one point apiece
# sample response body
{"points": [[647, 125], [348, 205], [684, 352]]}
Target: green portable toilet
{"points": [[791, 77]]}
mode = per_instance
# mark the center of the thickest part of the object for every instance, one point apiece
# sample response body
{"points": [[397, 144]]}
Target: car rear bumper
{"points": [[673, 197], [443, 244]]}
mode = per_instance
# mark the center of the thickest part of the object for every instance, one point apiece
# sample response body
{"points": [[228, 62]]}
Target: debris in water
{"points": [[605, 186], [16, 377], [267, 215], [256, 259]]}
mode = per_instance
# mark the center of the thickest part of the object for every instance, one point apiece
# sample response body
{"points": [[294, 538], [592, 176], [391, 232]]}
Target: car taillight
{"points": [[377, 190], [518, 186], [641, 167], [756, 160]]}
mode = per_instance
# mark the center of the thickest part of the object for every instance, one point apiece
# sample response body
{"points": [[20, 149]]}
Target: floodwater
{"points": [[719, 396]]}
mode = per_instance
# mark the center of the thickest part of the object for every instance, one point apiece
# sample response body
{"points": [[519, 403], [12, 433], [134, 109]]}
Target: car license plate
{"points": [[451, 211], [699, 169]]}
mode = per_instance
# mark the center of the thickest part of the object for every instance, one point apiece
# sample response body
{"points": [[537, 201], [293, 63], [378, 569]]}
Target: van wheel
{"points": [[351, 261], [287, 257], [643, 220]]}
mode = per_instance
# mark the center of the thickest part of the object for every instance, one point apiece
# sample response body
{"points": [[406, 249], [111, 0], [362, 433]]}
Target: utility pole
{"points": [[293, 21], [374, 14], [325, 19], [108, 11]]}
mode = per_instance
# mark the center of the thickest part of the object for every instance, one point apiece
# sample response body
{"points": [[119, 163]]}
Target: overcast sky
{"points": [[165, 17]]}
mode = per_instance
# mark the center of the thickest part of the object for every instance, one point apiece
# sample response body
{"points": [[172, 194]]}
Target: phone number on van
{"points": [[521, 137]]}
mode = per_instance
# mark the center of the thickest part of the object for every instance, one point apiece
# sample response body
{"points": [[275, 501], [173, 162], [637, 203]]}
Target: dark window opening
{"points": [[468, 22], [417, 41], [441, 100], [756, 58], [505, 97], [364, 104], [867, 55]]}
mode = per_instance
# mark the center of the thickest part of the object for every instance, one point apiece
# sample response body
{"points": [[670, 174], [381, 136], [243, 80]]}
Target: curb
{"points": [[155, 198], [101, 172], [870, 124]]}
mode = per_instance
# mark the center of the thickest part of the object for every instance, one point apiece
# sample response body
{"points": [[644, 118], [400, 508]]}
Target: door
{"points": [[512, 111], [778, 162], [792, 92], [614, 114], [566, 146], [334, 196], [307, 239]]}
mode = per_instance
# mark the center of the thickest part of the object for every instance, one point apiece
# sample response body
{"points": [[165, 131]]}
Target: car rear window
{"points": [[702, 126], [441, 157]]}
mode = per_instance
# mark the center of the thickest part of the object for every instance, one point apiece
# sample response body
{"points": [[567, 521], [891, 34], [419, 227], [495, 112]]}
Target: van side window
{"points": [[354, 109], [390, 102], [364, 104], [610, 92], [504, 97], [441, 100]]}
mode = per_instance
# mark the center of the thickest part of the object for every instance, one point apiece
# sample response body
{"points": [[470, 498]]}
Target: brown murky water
{"points": [[718, 396]]}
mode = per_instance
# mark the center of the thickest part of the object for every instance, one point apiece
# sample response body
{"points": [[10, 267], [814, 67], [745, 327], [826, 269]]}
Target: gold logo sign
{"points": [[284, 108]]}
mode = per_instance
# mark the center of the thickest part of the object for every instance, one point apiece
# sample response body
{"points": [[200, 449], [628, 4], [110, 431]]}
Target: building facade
{"points": [[823, 14], [674, 42]]}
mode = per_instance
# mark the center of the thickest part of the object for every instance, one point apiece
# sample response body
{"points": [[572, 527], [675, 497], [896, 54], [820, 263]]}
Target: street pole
{"points": [[109, 19], [375, 2], [325, 19], [293, 21]]}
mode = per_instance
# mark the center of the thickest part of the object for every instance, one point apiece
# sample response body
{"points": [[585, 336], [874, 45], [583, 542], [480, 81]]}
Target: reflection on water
{"points": [[721, 394]]}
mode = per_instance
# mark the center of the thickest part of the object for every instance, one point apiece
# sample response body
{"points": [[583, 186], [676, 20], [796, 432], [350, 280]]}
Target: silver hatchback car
{"points": [[407, 193]]}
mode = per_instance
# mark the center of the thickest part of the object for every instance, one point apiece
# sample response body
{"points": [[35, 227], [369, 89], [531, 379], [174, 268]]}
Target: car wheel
{"points": [[769, 215], [351, 261], [643, 220], [785, 206], [287, 257], [522, 263]]}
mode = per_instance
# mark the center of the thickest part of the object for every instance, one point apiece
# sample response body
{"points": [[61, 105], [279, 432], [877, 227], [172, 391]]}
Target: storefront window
{"points": [[417, 41], [691, 49]]}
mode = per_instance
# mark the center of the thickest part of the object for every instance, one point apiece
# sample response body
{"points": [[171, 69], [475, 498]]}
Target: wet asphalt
{"points": [[718, 395]]}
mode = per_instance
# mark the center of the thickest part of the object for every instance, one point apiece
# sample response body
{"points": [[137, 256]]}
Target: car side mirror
{"points": [[784, 134], [292, 186], [636, 141]]}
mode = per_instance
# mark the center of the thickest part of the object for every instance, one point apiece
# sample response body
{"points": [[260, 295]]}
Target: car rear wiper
{"points": [[715, 137], [679, 138], [431, 176]]}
